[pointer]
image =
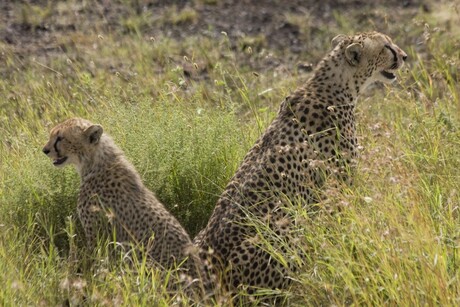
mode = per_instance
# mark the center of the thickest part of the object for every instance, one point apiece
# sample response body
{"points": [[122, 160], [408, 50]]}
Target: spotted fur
{"points": [[113, 198], [312, 137]]}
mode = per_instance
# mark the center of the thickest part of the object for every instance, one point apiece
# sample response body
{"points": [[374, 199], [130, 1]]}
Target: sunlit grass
{"points": [[394, 242]]}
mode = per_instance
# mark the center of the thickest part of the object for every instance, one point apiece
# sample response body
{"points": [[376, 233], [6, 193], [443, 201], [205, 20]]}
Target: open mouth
{"points": [[59, 161], [388, 75]]}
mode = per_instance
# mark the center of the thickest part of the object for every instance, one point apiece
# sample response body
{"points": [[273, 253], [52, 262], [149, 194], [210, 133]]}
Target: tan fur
{"points": [[113, 197], [312, 137]]}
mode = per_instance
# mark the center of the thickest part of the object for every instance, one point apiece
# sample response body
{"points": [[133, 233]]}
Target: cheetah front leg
{"points": [[91, 215]]}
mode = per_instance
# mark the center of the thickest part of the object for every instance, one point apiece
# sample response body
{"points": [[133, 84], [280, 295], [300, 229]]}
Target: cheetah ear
{"points": [[338, 39], [93, 133], [353, 53]]}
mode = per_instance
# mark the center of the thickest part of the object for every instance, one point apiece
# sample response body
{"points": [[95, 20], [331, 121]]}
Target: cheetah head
{"points": [[371, 56], [72, 141]]}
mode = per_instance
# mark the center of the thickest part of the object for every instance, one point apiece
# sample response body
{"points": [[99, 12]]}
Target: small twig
{"points": [[47, 67]]}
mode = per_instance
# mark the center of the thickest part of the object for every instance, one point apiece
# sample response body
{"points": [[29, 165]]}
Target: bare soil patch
{"points": [[33, 27]]}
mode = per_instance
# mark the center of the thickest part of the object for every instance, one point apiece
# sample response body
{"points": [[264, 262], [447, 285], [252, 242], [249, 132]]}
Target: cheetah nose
{"points": [[404, 57], [46, 150]]}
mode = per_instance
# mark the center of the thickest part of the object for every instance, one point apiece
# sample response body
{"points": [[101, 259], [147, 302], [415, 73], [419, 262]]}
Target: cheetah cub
{"points": [[113, 195]]}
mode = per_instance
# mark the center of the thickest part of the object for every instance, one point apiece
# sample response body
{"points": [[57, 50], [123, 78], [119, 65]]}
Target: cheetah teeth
{"points": [[59, 161]]}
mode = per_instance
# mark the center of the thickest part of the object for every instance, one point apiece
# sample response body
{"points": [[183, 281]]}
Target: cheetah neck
{"points": [[107, 157], [335, 77]]}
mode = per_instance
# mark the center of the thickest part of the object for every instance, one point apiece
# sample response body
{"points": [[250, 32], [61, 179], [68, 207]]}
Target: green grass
{"points": [[394, 242]]}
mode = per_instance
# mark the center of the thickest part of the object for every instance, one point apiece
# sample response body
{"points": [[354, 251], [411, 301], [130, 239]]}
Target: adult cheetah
{"points": [[312, 136], [113, 197]]}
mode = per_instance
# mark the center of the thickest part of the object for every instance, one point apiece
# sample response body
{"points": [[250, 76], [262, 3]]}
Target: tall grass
{"points": [[394, 240]]}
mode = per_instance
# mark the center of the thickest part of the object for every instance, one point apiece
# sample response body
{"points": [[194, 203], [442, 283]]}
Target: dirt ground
{"points": [[32, 26], [239, 18]]}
